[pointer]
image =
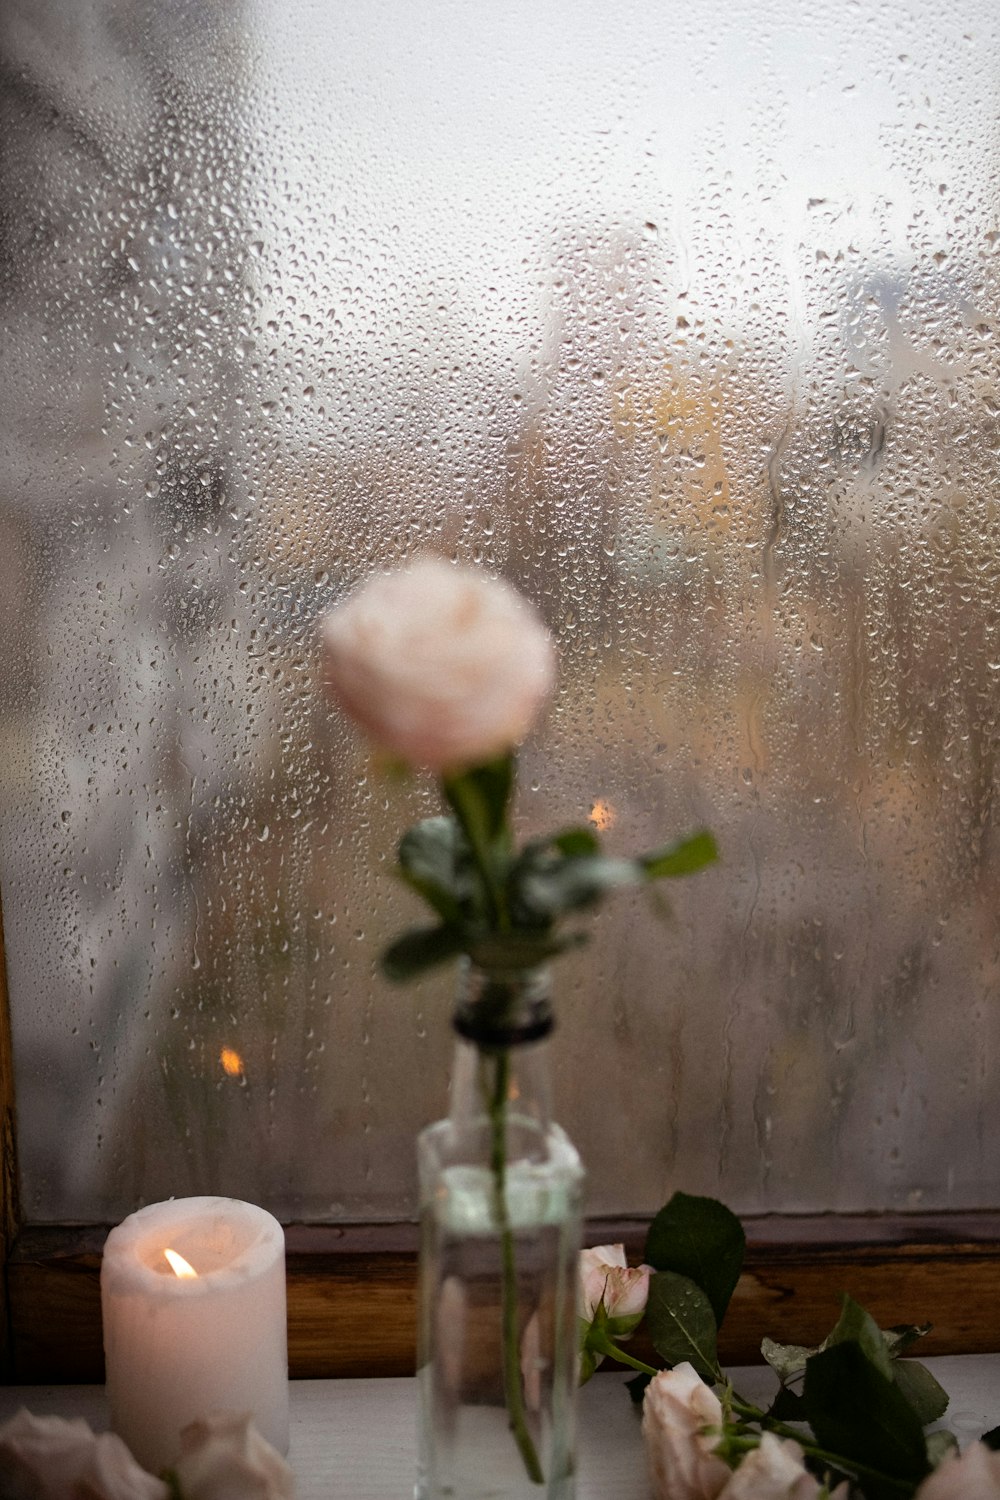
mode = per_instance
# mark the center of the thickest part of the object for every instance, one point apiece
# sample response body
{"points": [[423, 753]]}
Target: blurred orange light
{"points": [[602, 815], [232, 1062]]}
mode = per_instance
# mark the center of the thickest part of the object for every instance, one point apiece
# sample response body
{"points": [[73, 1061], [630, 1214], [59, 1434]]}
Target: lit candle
{"points": [[193, 1301]]}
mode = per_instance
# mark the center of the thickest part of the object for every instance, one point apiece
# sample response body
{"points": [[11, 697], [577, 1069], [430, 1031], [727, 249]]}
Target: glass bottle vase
{"points": [[501, 1189]]}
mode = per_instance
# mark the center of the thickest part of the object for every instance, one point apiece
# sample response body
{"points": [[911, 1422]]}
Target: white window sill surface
{"points": [[356, 1439]]}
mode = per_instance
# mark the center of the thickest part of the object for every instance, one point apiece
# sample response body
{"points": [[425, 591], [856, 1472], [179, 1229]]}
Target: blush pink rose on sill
{"points": [[606, 1278], [224, 1457], [50, 1458], [681, 1426], [973, 1476], [443, 667], [775, 1471], [682, 1422], [611, 1301]]}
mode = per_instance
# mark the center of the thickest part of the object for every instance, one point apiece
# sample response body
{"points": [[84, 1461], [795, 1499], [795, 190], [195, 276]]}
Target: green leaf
{"points": [[855, 1410], [787, 1360], [992, 1439], [683, 858], [917, 1384], [576, 841], [681, 1324], [939, 1445], [420, 949], [787, 1406], [857, 1326], [899, 1338], [928, 1399], [701, 1239], [429, 861], [479, 798], [519, 949], [573, 883]]}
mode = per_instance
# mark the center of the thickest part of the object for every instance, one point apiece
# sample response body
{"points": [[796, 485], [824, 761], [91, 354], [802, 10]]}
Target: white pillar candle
{"points": [[178, 1346]]}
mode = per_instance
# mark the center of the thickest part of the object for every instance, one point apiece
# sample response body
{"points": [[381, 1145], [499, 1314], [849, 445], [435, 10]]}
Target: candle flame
{"points": [[602, 815], [179, 1265], [232, 1062]]}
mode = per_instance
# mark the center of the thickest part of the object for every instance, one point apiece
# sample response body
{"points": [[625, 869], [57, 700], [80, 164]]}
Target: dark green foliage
{"points": [[701, 1239]]}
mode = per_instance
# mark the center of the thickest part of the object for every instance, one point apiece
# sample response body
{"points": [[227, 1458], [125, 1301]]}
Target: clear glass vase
{"points": [[501, 1189]]}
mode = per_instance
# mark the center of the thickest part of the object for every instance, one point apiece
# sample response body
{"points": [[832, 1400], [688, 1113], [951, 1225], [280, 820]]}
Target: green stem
{"points": [[494, 889], [602, 1344], [837, 1460], [509, 1329], [481, 852], [483, 855]]}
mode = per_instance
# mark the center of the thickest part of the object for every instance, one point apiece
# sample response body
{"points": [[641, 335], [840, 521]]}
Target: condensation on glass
{"points": [[682, 318]]}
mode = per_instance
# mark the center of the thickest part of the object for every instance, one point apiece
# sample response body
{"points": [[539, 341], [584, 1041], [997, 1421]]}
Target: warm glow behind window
{"points": [[602, 815]]}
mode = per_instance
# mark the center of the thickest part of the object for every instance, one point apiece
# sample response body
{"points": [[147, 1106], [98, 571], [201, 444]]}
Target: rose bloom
{"points": [[677, 1408], [48, 1458], [973, 1476], [444, 667], [605, 1276], [775, 1471], [224, 1457]]}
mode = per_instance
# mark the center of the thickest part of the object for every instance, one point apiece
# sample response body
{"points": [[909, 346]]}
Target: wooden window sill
{"points": [[352, 1290]]}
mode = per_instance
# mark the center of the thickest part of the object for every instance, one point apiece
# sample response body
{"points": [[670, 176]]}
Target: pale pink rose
{"points": [[444, 667], [49, 1458], [224, 1457], [775, 1471], [679, 1413], [973, 1476], [605, 1276]]}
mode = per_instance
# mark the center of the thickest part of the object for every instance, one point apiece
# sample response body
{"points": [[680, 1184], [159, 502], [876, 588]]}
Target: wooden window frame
{"points": [[352, 1288]]}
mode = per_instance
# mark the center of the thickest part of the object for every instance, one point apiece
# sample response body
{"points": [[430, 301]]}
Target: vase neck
{"points": [[501, 1009], [502, 1056]]}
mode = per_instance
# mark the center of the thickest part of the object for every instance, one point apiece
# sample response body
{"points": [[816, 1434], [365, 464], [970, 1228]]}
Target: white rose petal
{"points": [[445, 667], [49, 1458], [677, 1408], [973, 1476], [224, 1457]]}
